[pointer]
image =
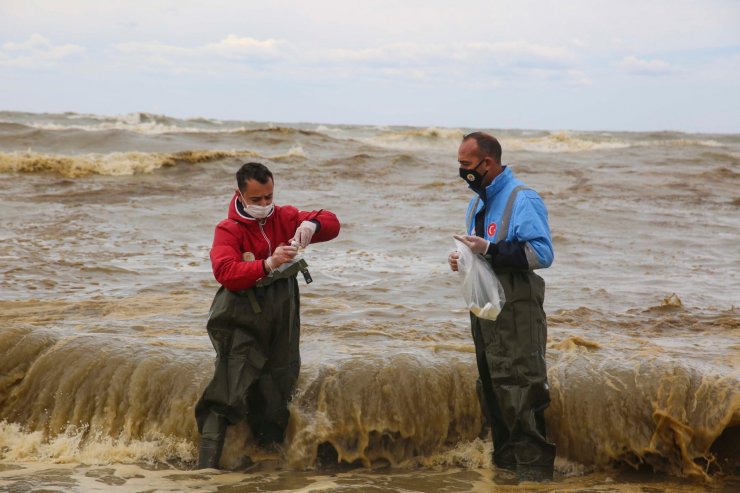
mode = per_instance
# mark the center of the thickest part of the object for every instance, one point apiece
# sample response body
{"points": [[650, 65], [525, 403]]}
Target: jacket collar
{"points": [[498, 183]]}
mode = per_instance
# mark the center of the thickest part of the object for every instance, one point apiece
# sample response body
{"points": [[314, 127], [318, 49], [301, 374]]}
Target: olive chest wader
{"points": [[512, 384], [256, 336]]}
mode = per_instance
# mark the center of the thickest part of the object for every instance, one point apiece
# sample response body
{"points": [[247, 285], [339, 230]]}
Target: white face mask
{"points": [[258, 211]]}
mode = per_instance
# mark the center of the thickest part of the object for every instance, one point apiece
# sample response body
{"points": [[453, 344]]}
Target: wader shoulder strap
{"points": [[471, 214], [253, 301], [506, 217]]}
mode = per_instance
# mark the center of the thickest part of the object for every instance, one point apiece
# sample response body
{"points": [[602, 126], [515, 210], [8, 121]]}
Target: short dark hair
{"points": [[487, 143], [252, 171]]}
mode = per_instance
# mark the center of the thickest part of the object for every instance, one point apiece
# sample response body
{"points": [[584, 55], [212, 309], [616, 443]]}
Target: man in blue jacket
{"points": [[507, 224]]}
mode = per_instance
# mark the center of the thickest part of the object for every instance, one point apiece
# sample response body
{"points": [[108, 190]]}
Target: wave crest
{"points": [[112, 164]]}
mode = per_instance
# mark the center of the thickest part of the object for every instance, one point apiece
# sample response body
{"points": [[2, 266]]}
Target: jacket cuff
{"points": [[492, 249], [317, 223]]}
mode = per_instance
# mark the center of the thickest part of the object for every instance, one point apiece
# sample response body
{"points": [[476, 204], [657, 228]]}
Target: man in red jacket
{"points": [[254, 321]]}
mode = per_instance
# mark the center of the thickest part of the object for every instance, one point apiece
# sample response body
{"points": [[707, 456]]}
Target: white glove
{"points": [[475, 243], [304, 233]]}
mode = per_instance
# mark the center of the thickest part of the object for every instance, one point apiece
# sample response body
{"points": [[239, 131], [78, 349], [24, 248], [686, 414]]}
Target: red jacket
{"points": [[239, 234]]}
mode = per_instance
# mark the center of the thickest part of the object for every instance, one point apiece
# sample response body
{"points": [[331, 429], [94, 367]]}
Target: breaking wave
{"points": [[111, 164], [534, 141], [143, 123]]}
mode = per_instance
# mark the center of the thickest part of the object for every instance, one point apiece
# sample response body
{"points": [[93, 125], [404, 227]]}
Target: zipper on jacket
{"points": [[269, 245]]}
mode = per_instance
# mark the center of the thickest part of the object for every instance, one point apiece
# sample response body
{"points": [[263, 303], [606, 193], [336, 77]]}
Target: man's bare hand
{"points": [[475, 243], [452, 260]]}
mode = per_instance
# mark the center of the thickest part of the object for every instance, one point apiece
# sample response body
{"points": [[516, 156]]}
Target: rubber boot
{"points": [[212, 442]]}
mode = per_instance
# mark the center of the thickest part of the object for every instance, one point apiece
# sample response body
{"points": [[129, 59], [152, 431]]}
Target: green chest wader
{"points": [[256, 337], [510, 354]]}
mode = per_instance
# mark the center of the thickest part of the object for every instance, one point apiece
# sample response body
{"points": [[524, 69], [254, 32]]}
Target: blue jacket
{"points": [[526, 243]]}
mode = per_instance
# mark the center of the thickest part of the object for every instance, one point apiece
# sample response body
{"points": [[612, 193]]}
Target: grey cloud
{"points": [[637, 66], [37, 52], [503, 54], [230, 48]]}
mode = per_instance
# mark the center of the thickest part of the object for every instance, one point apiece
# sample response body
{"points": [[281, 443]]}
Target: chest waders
{"points": [[512, 384], [256, 336]]}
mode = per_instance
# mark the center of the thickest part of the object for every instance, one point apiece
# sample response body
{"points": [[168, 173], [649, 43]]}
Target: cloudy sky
{"points": [[557, 65]]}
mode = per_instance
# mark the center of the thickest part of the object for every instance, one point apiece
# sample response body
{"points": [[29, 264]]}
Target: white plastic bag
{"points": [[482, 291]]}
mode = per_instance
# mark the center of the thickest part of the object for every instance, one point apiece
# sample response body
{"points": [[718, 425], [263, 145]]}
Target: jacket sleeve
{"points": [[327, 224], [531, 246], [531, 228], [508, 254], [226, 259]]}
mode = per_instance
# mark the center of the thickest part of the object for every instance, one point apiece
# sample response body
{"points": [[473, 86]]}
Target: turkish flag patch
{"points": [[491, 229]]}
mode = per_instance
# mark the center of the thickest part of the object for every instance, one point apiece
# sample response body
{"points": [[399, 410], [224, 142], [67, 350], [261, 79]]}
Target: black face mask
{"points": [[474, 179]]}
